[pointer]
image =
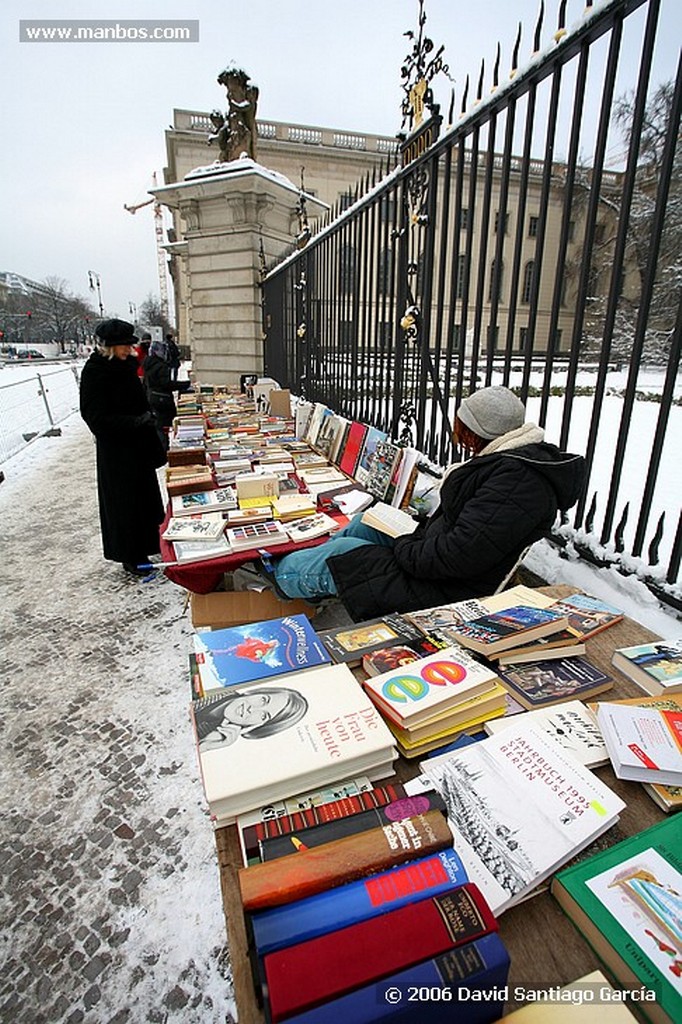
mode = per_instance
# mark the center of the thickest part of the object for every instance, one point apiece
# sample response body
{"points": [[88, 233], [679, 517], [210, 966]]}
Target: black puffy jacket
{"points": [[491, 509]]}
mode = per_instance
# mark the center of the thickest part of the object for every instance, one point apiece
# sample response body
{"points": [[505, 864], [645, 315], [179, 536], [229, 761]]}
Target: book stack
{"points": [[492, 634], [429, 701], [656, 668], [350, 644], [280, 736], [222, 499], [197, 528], [542, 684], [644, 741]]}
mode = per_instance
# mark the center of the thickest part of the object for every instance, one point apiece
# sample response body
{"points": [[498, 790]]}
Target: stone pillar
{"points": [[225, 210]]}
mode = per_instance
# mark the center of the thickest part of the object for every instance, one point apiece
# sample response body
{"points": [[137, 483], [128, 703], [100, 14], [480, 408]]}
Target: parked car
{"points": [[29, 353]]}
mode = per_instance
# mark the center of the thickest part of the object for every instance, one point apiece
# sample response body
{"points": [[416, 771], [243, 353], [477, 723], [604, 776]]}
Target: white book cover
{"points": [[644, 743], [201, 528], [430, 685], [200, 550], [519, 807], [572, 724], [309, 527], [277, 739]]}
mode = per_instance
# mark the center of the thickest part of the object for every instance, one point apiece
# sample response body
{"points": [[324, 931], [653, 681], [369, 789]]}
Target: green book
{"points": [[627, 902]]}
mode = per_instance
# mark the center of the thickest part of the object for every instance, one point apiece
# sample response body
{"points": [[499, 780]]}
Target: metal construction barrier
{"points": [[34, 406]]}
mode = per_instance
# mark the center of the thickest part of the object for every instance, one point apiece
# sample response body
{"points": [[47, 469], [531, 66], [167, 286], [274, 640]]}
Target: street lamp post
{"points": [[95, 281]]}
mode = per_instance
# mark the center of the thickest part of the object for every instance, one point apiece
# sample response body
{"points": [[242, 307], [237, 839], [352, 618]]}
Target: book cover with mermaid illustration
{"points": [[256, 651]]}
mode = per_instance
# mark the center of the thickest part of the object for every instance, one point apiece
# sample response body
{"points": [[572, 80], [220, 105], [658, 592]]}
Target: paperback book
{"points": [[626, 903], [200, 550], [519, 807], [200, 528], [309, 527], [541, 684], [373, 437], [388, 658], [239, 655], [571, 724], [644, 743], [350, 644], [283, 736], [656, 668], [586, 615], [383, 469], [430, 686], [499, 631], [219, 500]]}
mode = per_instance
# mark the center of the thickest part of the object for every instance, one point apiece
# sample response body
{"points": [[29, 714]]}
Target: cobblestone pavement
{"points": [[110, 908]]}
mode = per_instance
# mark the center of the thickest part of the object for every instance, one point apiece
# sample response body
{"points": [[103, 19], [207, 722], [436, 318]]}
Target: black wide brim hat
{"points": [[115, 332]]}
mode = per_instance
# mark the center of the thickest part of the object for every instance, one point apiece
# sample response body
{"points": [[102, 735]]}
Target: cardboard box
{"points": [[234, 608]]}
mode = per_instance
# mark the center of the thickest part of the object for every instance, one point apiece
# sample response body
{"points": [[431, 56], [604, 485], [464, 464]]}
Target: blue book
{"points": [[428, 993], [356, 901], [256, 651]]}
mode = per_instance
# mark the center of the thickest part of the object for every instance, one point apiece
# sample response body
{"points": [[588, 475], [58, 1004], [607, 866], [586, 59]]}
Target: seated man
{"points": [[491, 508]]}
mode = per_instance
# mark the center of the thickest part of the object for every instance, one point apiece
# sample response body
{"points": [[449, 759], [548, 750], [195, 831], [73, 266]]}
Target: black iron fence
{"points": [[501, 248]]}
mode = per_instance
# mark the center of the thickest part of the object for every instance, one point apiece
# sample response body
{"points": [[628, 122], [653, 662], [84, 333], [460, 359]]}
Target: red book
{"points": [[305, 975], [352, 448], [292, 878]]}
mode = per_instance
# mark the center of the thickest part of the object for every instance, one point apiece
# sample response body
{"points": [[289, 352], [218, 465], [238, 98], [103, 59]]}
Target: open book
{"points": [[389, 520]]}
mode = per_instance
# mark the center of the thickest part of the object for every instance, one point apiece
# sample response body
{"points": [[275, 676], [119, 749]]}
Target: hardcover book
{"points": [[644, 743], [350, 644], [500, 631], [285, 736], [573, 726], [350, 453], [282, 824], [356, 901], [519, 807], [391, 521], [430, 686], [626, 902], [656, 668], [479, 968], [372, 438], [329, 435], [587, 615], [200, 550], [383, 471], [344, 860], [544, 683], [385, 659], [350, 957], [222, 499], [349, 825], [256, 651], [562, 644]]}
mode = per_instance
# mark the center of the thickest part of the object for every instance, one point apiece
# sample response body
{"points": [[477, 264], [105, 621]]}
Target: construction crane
{"points": [[160, 254]]}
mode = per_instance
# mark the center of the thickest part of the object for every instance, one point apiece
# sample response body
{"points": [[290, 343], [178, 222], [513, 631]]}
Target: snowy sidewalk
{"points": [[110, 907]]}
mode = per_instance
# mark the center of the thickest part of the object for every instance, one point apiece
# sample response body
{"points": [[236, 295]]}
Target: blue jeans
{"points": [[306, 573]]}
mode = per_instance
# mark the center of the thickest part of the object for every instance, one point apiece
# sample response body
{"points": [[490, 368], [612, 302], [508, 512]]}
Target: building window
{"points": [[527, 285], [533, 227], [384, 338], [346, 199], [523, 339], [491, 284], [557, 340], [493, 338], [505, 224], [385, 273], [464, 219], [387, 208], [345, 335], [461, 264]]}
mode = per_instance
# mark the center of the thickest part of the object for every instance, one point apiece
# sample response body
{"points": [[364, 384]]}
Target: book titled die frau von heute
{"points": [[519, 806], [256, 651], [282, 736]]}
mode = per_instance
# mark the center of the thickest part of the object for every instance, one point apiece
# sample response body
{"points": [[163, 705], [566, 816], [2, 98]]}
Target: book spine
{"points": [[293, 878], [326, 832], [302, 976], [356, 901], [479, 966], [305, 818]]}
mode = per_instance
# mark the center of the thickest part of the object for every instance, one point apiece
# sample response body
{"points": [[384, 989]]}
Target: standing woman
{"points": [[115, 408], [160, 388]]}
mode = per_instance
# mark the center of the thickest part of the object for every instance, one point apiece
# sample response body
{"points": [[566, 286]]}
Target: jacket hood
{"points": [[564, 471]]}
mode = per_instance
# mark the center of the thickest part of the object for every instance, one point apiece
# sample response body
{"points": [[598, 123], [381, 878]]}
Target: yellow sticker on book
{"points": [[599, 808]]}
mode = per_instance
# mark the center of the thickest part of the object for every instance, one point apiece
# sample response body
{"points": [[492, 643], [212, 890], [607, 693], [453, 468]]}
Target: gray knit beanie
{"points": [[492, 412]]}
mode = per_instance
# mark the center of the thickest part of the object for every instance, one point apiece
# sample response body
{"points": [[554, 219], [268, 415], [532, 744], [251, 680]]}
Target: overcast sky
{"points": [[83, 124]]}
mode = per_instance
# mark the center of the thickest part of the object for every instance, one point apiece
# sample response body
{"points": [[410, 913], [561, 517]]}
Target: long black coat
{"points": [[490, 510], [113, 403]]}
